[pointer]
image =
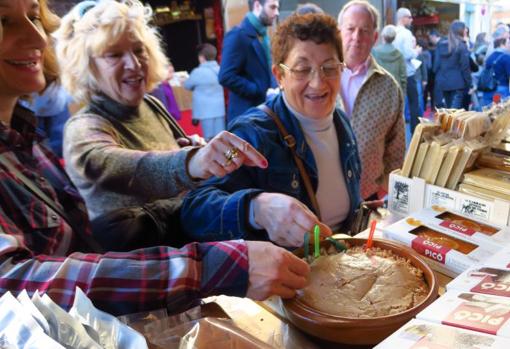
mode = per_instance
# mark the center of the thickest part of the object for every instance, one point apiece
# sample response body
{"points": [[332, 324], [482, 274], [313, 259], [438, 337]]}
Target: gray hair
{"points": [[389, 33], [372, 11], [403, 12]]}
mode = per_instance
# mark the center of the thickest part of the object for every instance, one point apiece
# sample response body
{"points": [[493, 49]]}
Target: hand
{"points": [[418, 49], [212, 159], [274, 271], [285, 219]]}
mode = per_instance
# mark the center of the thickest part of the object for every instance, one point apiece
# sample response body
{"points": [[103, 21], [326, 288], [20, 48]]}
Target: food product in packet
{"points": [[419, 334], [208, 333], [483, 279], [112, 333], [477, 312], [63, 327], [19, 329], [448, 254], [31, 309]]}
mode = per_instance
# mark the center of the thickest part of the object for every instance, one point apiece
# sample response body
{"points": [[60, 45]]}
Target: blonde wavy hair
{"points": [[90, 28]]}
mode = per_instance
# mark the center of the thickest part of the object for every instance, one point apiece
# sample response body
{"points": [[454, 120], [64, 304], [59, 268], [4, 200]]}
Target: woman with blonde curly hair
{"points": [[121, 149]]}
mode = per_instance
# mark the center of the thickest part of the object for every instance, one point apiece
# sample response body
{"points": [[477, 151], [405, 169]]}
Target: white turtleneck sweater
{"points": [[332, 195]]}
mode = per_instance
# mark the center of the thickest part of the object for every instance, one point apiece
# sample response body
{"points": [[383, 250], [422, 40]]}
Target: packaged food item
{"points": [[420, 157], [464, 161], [112, 333], [457, 225], [482, 192], [483, 279], [444, 253], [19, 329], [447, 165], [472, 311], [419, 334], [64, 329], [501, 148], [419, 132], [489, 178], [494, 160], [433, 161]]}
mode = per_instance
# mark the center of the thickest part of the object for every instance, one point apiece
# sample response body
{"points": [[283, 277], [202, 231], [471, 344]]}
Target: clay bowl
{"points": [[354, 330]]}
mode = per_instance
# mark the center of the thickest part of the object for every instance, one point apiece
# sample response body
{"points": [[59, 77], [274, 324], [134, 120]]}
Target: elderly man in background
{"points": [[405, 43], [245, 69], [371, 98]]}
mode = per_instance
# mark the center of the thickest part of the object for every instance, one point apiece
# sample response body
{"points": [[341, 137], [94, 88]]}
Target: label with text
{"points": [[457, 227], [495, 285], [478, 318], [430, 249]]}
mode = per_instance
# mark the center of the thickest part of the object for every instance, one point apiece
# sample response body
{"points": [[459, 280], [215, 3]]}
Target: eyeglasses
{"points": [[329, 71]]}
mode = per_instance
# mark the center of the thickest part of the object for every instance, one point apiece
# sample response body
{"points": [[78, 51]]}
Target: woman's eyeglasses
{"points": [[329, 71]]}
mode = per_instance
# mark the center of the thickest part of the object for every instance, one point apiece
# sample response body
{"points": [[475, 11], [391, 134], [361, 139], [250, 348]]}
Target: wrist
{"points": [[192, 168]]}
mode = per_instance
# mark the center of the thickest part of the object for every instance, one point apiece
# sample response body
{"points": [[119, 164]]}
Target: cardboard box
{"points": [[445, 253], [471, 311], [409, 195], [484, 280], [426, 335], [461, 226]]}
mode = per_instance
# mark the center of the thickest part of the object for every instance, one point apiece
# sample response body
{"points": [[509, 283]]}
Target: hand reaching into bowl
{"points": [[285, 219], [274, 271]]}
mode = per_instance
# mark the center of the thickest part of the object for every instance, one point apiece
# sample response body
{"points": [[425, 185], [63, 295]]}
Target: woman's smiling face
{"points": [[313, 96], [22, 44]]}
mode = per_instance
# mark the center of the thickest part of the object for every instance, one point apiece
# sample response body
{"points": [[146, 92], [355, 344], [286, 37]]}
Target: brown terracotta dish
{"points": [[356, 330]]}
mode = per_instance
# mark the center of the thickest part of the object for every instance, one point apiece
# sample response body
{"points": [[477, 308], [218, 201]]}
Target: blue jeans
{"points": [[454, 98]]}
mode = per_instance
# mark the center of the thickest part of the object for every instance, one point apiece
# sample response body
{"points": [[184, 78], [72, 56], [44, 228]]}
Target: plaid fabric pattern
{"points": [[40, 251]]}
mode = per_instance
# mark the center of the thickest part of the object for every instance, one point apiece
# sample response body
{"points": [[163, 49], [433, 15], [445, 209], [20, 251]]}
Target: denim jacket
{"points": [[219, 208]]}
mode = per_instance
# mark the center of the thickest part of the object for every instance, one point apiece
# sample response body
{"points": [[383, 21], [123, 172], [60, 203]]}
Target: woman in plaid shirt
{"points": [[39, 249]]}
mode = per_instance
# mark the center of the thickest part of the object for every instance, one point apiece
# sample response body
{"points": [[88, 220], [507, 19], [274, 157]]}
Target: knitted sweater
{"points": [[378, 123], [120, 156]]}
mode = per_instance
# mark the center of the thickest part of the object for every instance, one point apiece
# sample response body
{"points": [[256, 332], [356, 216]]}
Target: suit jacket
{"points": [[244, 70]]}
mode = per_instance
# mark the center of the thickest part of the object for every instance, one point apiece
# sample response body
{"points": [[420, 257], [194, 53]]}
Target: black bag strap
{"points": [[290, 141], [88, 240], [157, 106]]}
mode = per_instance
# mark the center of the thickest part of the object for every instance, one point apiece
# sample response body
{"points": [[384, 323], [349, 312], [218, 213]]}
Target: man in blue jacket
{"points": [[246, 59]]}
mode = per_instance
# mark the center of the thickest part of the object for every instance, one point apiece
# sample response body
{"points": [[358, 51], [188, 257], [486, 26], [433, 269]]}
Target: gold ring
{"points": [[230, 155]]}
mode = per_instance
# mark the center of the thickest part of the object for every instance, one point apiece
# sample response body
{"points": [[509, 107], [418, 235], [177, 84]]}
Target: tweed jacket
{"points": [[378, 123]]}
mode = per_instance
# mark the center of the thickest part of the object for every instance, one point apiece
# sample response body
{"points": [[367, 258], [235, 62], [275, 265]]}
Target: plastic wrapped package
{"points": [[208, 333], [31, 309], [112, 333], [494, 160], [64, 328], [19, 329], [490, 179]]}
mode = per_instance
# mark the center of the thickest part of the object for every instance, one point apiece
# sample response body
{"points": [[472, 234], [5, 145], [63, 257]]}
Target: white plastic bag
{"points": [[64, 328], [19, 329], [112, 333]]}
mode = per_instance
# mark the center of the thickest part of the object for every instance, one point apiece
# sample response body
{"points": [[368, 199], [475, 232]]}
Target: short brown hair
{"points": [[208, 51], [317, 27]]}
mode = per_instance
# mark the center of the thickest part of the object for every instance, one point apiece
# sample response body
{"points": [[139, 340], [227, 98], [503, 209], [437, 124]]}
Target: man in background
{"points": [[371, 98], [245, 69], [405, 43]]}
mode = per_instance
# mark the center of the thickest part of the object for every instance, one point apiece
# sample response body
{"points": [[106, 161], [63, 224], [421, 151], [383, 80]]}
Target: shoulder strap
{"points": [[290, 141], [156, 105], [88, 240]]}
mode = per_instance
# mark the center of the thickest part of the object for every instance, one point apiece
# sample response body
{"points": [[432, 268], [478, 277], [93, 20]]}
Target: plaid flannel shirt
{"points": [[40, 251]]}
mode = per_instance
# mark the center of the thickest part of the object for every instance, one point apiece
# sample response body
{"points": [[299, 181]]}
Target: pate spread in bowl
{"points": [[362, 296]]}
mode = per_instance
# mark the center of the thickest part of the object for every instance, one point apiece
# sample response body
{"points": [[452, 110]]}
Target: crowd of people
{"points": [[145, 216]]}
